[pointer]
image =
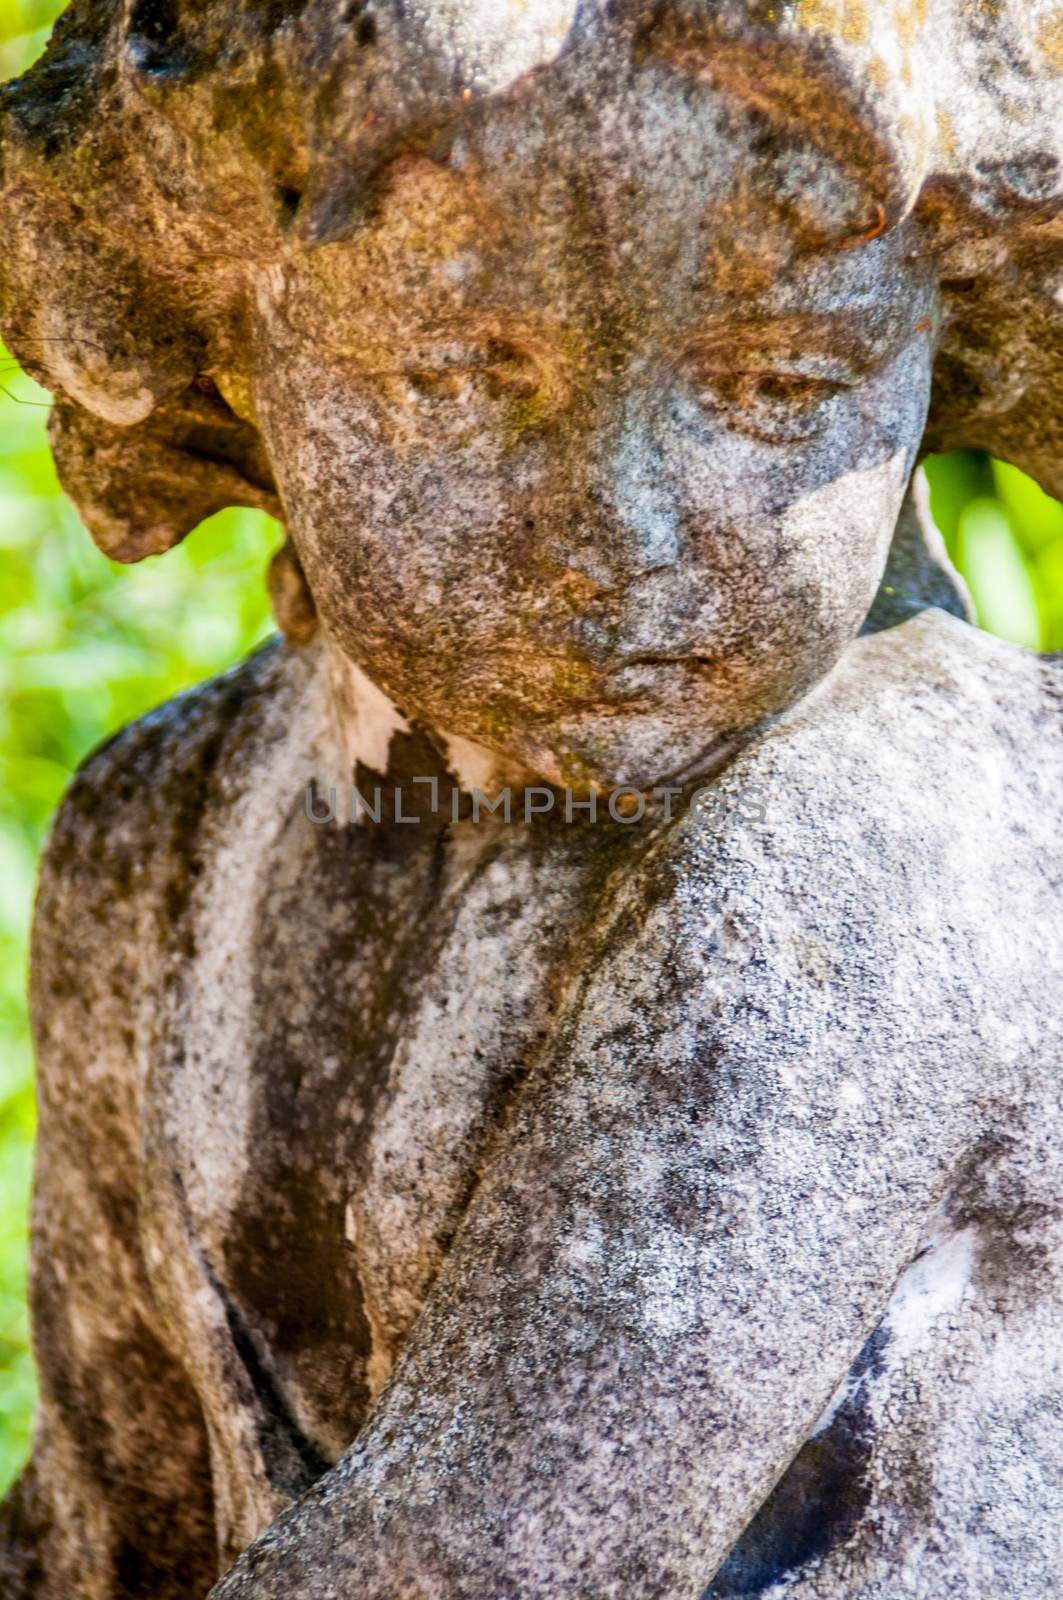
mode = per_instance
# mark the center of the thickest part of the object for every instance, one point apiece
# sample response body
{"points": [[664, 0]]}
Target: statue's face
{"points": [[591, 445]]}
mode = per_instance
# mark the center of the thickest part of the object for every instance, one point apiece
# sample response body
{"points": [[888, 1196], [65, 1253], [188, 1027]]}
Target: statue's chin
{"points": [[640, 750], [672, 726], [650, 720]]}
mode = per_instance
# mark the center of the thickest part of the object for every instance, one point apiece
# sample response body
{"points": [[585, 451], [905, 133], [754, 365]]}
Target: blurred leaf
{"points": [[955, 480], [1036, 518], [1012, 564], [992, 561], [16, 880], [1049, 572]]}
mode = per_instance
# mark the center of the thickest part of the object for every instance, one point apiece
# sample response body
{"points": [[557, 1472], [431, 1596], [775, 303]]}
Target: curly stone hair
{"points": [[161, 148]]}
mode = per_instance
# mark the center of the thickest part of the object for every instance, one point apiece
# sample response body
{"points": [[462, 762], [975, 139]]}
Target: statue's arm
{"points": [[115, 1500], [697, 1212], [676, 1253]]}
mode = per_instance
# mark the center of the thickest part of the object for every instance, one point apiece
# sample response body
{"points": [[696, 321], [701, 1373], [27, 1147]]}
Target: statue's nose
{"points": [[628, 523], [644, 517]]}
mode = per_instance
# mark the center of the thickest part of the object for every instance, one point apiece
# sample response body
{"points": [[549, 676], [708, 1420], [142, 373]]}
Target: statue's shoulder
{"points": [[929, 723], [123, 853], [892, 843]]}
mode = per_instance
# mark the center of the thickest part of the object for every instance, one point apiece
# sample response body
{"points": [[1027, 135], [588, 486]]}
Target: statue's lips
{"points": [[645, 674], [701, 663], [649, 684], [608, 663], [634, 681]]}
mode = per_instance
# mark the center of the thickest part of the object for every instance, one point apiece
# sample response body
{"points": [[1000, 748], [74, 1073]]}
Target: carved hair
{"points": [[161, 147]]}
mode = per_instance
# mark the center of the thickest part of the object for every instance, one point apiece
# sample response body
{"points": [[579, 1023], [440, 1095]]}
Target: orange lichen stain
{"points": [[856, 28], [879, 225], [847, 18], [924, 325], [747, 255], [824, 15], [236, 392], [946, 136], [916, 135], [1050, 41], [867, 234], [908, 19]]}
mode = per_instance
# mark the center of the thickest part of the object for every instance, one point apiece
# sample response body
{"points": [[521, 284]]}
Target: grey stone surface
{"points": [[471, 1209]]}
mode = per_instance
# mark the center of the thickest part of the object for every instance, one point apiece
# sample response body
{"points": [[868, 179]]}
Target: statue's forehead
{"points": [[643, 126], [656, 187], [648, 149]]}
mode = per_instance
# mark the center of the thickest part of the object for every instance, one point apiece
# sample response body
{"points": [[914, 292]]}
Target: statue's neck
{"points": [[376, 737]]}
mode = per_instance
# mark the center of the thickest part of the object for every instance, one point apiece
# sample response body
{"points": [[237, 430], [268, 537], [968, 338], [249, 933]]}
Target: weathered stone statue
{"points": [[444, 1191]]}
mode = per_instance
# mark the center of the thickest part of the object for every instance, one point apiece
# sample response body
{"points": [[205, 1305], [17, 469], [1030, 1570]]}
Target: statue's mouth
{"points": [[685, 659], [651, 676]]}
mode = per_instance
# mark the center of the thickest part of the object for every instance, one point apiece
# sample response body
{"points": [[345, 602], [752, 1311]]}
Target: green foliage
{"points": [[1006, 536], [24, 29], [24, 26], [86, 646]]}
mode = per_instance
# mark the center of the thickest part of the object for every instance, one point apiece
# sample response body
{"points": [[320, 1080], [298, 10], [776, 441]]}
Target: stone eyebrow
{"points": [[833, 345]]}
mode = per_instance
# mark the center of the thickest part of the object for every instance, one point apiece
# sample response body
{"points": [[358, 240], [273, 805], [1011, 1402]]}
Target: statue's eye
{"points": [[496, 368], [779, 407], [434, 383], [512, 371]]}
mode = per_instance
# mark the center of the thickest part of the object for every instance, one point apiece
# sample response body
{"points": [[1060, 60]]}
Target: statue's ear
{"points": [[998, 377], [140, 488], [144, 447], [992, 202]]}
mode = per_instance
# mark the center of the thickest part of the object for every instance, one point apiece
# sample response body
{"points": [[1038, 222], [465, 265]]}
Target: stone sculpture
{"points": [[648, 1205]]}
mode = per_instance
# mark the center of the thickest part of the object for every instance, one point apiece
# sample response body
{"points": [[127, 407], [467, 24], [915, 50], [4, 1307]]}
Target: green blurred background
{"points": [[86, 645]]}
